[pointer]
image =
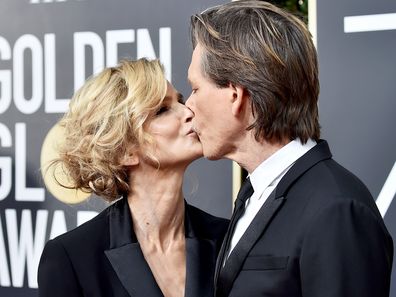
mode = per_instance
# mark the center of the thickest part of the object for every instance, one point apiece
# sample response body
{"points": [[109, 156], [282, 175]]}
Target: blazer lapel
{"points": [[125, 254], [234, 263], [200, 258], [133, 271], [127, 260]]}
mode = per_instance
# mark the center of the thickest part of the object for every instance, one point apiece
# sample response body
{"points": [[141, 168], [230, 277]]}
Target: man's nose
{"points": [[189, 103], [188, 113]]}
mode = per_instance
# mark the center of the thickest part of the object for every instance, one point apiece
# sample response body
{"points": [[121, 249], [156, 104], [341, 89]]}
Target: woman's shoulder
{"points": [[196, 212], [92, 231], [206, 224], [73, 255]]}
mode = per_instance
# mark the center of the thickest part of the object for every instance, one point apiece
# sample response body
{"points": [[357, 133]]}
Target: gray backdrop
{"points": [[357, 102], [42, 49], [358, 95]]}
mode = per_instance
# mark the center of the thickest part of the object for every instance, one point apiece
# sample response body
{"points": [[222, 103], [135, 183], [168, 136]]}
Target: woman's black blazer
{"points": [[103, 258]]}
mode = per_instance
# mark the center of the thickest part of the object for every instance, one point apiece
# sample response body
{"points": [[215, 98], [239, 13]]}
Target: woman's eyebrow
{"points": [[180, 97]]}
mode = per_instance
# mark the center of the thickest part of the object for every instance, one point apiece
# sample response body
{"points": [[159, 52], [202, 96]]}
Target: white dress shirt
{"points": [[264, 180]]}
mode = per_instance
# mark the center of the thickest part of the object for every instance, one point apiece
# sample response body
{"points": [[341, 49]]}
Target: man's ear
{"points": [[131, 158], [239, 99]]}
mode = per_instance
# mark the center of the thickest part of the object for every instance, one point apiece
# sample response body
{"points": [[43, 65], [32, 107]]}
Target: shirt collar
{"points": [[278, 163]]}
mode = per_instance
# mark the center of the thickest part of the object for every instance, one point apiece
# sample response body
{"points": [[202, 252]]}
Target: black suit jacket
{"points": [[319, 234], [103, 258]]}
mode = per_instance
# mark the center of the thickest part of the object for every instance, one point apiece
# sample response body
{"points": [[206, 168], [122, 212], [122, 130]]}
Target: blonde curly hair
{"points": [[105, 119]]}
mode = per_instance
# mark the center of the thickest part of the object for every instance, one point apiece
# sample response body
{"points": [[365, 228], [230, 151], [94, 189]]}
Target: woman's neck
{"points": [[157, 206]]}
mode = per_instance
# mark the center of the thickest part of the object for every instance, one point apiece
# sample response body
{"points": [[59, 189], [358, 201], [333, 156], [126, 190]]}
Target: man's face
{"points": [[212, 108]]}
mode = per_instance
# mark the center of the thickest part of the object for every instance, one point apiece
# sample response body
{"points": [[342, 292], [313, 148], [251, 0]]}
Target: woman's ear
{"points": [[131, 158], [239, 99]]}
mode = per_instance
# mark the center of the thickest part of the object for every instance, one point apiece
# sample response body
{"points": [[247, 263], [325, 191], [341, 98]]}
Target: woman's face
{"points": [[175, 143]]}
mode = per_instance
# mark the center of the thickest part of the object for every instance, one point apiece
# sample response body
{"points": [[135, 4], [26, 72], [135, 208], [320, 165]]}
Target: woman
{"points": [[129, 136]]}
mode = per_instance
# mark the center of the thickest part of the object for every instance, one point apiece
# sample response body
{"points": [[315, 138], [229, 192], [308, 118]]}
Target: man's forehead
{"points": [[195, 64], [197, 52]]}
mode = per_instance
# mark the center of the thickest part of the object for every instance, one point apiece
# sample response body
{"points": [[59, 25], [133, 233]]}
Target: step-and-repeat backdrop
{"points": [[357, 45], [47, 49]]}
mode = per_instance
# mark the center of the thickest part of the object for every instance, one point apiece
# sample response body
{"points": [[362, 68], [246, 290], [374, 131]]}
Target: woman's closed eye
{"points": [[180, 98], [162, 110]]}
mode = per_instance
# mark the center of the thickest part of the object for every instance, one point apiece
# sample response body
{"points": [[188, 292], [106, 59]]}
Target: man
{"points": [[308, 227]]}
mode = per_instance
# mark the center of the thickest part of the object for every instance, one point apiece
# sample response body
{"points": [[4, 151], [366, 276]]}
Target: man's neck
{"points": [[250, 153]]}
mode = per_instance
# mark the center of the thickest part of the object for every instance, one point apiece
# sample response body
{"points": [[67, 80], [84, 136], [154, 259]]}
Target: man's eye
{"points": [[162, 110], [193, 91]]}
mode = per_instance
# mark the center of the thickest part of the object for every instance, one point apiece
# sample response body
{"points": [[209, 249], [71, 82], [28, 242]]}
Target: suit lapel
{"points": [[238, 255], [125, 255], [233, 265], [200, 258], [127, 260]]}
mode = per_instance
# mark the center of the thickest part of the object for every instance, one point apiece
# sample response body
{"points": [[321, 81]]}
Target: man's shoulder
{"points": [[323, 171], [331, 175], [329, 182]]}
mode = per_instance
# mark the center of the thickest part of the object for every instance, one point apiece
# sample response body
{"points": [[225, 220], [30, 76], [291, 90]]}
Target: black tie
{"points": [[239, 208]]}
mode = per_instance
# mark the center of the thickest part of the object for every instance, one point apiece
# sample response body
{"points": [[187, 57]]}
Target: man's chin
{"points": [[211, 152], [211, 156]]}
